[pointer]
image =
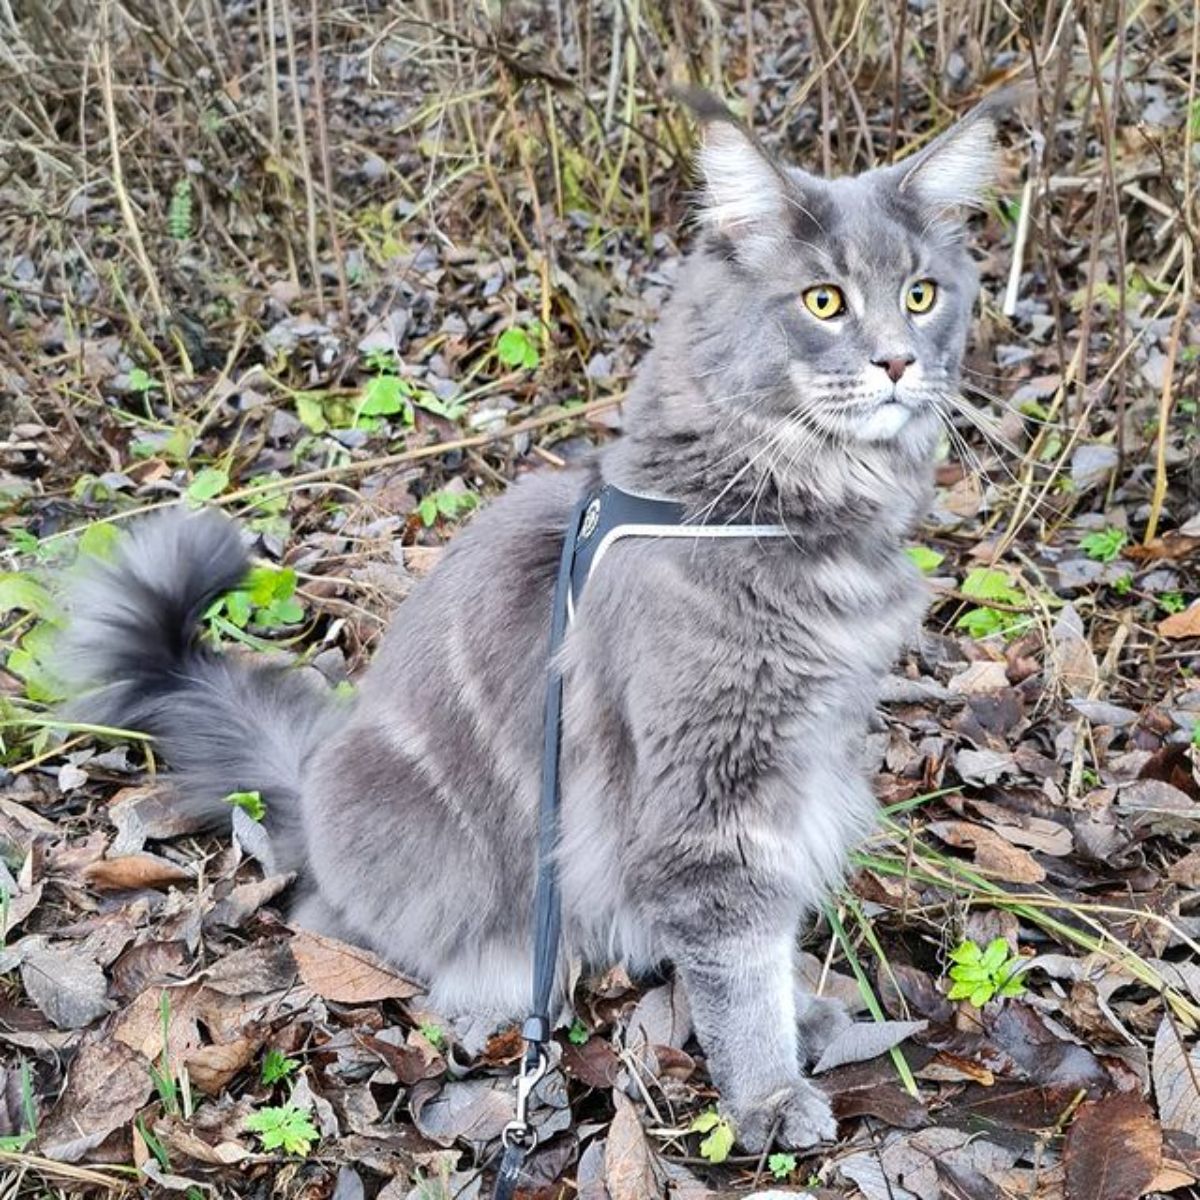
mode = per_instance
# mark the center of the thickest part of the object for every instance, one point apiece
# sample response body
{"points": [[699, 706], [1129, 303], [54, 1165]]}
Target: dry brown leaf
{"points": [[628, 1161], [1184, 624], [106, 1085], [1176, 1071], [132, 871], [140, 1026], [1113, 1150], [992, 853], [211, 1068], [64, 981], [345, 974]]}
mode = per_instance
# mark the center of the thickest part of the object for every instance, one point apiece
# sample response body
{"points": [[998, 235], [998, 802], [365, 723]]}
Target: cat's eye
{"points": [[920, 296], [824, 301]]}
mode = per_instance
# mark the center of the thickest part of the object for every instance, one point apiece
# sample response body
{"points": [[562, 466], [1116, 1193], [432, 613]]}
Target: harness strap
{"points": [[599, 519]]}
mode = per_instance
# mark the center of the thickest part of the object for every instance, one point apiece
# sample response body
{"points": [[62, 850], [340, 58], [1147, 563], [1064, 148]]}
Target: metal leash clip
{"points": [[519, 1132]]}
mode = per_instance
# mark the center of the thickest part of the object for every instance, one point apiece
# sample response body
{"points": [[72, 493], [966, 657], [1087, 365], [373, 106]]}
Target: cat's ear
{"points": [[745, 194], [957, 168]]}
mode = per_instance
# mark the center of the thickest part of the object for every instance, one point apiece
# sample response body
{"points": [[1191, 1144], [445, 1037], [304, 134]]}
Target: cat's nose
{"points": [[895, 367]]}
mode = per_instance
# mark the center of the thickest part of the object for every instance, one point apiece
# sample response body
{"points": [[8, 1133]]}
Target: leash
{"points": [[601, 518]]}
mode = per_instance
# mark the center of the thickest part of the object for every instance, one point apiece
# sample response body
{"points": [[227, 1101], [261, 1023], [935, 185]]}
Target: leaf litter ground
{"points": [[348, 305]]}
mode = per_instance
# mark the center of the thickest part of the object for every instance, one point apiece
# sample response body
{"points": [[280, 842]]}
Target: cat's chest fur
{"points": [[747, 677]]}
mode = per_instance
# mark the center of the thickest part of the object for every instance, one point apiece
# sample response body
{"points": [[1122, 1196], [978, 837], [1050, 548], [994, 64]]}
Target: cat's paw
{"points": [[799, 1115], [819, 1020]]}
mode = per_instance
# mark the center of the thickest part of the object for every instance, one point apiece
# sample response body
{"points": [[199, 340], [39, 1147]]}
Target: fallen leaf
{"points": [[211, 1068], [345, 974], [992, 853], [661, 1017], [628, 1161], [475, 1110], [1184, 624], [131, 871], [1176, 1072], [106, 1085], [64, 982], [865, 1040], [1114, 1149]]}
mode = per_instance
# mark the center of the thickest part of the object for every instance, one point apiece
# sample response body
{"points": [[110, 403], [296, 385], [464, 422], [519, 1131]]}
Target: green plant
{"points": [[1104, 545], [142, 382], [515, 348], [578, 1033], [284, 1127], [179, 214], [1124, 585], [719, 1140], [781, 1165], [988, 584], [1196, 735], [207, 484], [154, 1145], [253, 805], [161, 1074], [276, 1065], [1172, 602], [980, 975], [30, 659], [266, 599], [445, 503], [924, 559], [434, 1034]]}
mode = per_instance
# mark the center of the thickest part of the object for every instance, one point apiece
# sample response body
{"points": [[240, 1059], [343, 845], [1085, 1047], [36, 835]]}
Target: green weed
{"points": [[284, 1127], [980, 975]]}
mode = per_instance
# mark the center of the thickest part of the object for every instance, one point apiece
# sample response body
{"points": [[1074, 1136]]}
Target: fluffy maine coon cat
{"points": [[717, 692]]}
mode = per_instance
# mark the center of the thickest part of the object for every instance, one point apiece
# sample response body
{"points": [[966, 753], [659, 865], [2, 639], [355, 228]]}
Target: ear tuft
{"points": [[744, 192], [960, 166], [742, 189]]}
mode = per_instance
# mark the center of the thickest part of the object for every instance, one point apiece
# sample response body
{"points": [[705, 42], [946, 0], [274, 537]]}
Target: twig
{"points": [[118, 175]]}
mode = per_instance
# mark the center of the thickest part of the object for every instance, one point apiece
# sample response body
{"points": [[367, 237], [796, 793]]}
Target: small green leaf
{"points": [[705, 1121], [982, 994], [781, 1165], [578, 1033], [966, 952], [251, 803], [717, 1145], [238, 607], [276, 1066], [141, 381], [206, 484], [960, 991], [311, 411], [515, 348], [21, 592], [435, 1035], [284, 1128], [995, 955], [1104, 545], [427, 510], [924, 559], [99, 541], [383, 396]]}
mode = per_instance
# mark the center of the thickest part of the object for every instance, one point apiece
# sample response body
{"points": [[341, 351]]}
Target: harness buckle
{"points": [[519, 1132]]}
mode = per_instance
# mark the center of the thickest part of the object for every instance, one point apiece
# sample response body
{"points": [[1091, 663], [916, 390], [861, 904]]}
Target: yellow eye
{"points": [[824, 301], [920, 296]]}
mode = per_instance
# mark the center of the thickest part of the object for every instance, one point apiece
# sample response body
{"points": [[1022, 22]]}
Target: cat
{"points": [[717, 692]]}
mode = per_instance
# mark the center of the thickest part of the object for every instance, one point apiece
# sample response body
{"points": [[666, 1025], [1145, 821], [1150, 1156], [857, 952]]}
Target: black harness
{"points": [[602, 517]]}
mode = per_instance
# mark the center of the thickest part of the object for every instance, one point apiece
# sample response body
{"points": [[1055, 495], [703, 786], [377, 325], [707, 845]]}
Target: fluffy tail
{"points": [[223, 724]]}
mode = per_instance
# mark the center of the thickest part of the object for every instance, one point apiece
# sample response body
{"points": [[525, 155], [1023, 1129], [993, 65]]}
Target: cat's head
{"points": [[843, 304]]}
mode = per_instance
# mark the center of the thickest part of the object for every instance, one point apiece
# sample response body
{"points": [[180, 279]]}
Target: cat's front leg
{"points": [[741, 994]]}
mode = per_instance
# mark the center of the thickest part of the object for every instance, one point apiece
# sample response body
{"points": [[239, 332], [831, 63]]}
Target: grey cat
{"points": [[717, 692]]}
